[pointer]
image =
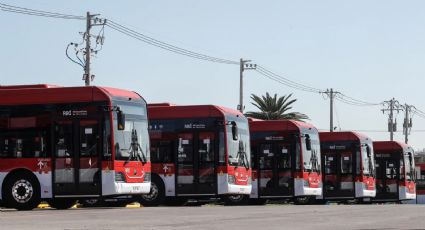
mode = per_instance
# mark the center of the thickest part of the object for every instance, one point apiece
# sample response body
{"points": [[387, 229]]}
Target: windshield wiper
{"points": [[242, 157], [314, 161], [134, 149]]}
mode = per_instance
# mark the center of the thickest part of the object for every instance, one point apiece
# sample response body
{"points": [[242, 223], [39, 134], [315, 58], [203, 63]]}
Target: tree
{"points": [[275, 108]]}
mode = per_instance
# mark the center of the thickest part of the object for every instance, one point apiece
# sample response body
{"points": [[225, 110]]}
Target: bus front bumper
{"points": [[132, 188]]}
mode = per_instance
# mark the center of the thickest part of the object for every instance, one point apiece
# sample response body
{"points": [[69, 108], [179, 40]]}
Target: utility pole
{"points": [[407, 124], [243, 66], [87, 74], [331, 94], [91, 20], [392, 105]]}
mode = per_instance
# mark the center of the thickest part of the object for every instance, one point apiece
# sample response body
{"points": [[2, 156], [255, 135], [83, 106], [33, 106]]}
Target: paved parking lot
{"points": [[220, 217]]}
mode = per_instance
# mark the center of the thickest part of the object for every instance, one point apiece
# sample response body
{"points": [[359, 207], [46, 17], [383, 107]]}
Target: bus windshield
{"points": [[368, 159], [409, 166], [132, 143], [239, 151], [311, 158]]}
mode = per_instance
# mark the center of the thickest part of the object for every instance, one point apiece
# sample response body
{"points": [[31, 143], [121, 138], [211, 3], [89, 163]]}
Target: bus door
{"points": [[76, 158], [338, 175], [196, 164], [387, 178], [275, 170]]}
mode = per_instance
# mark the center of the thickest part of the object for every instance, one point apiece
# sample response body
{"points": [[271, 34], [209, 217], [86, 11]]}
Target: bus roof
{"points": [[49, 94], [342, 136], [390, 146], [166, 110], [37, 86], [277, 125]]}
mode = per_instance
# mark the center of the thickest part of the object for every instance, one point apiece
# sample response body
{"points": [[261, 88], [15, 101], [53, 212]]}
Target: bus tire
{"points": [[21, 191], [156, 196], [62, 203], [233, 200]]}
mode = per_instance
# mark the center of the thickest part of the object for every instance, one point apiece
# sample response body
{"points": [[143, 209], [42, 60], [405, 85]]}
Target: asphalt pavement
{"points": [[221, 217]]}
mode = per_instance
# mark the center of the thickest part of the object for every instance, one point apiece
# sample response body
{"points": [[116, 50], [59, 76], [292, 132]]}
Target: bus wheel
{"points": [[21, 191], [236, 199], [303, 200], [156, 196], [62, 203]]}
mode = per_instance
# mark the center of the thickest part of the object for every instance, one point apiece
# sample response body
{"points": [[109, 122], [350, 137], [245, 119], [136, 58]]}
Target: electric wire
{"points": [[360, 102], [40, 13], [163, 45], [343, 99], [66, 53], [285, 81]]}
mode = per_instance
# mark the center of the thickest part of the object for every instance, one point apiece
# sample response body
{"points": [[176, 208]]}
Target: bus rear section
{"points": [[348, 167], [60, 144], [198, 152], [285, 160], [395, 171]]}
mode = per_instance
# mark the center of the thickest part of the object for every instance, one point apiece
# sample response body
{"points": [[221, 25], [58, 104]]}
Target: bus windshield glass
{"points": [[368, 161], [311, 158], [409, 167], [132, 143], [239, 152]]}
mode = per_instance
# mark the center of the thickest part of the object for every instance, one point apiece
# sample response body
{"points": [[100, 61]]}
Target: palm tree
{"points": [[274, 108]]}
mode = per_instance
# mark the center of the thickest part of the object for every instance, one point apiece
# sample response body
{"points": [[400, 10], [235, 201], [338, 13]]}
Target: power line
{"points": [[163, 45], [350, 100], [285, 81], [40, 13]]}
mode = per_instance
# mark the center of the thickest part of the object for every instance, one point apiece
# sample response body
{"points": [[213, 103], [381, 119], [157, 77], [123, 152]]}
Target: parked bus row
{"points": [[63, 144]]}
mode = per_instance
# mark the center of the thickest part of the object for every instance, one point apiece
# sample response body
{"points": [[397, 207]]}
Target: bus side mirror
{"points": [[234, 131], [368, 152], [308, 142], [410, 159], [120, 120]]}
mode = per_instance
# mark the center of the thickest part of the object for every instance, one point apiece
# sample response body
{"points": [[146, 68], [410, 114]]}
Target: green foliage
{"points": [[274, 108]]}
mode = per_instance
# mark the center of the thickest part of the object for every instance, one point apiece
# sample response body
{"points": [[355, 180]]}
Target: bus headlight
{"points": [[231, 179], [147, 177], [119, 177], [249, 180]]}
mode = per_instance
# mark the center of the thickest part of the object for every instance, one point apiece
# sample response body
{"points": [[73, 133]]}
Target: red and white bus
{"points": [[197, 151], [285, 156], [60, 144], [348, 166], [395, 171]]}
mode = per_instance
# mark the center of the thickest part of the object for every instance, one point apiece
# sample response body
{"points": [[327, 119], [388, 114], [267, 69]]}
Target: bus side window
{"points": [[401, 171], [221, 149], [107, 150], [63, 140], [346, 164], [161, 151], [358, 163], [23, 144]]}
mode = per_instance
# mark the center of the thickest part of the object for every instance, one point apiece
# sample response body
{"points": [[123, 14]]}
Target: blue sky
{"points": [[369, 50]]}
